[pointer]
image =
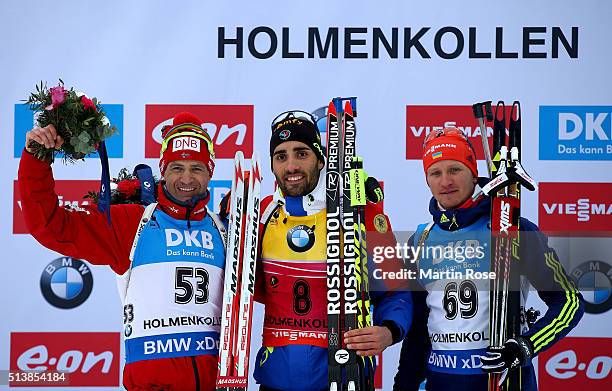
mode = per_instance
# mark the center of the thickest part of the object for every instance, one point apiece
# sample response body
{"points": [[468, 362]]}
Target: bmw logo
{"points": [[128, 330], [301, 238], [66, 282], [594, 280]]}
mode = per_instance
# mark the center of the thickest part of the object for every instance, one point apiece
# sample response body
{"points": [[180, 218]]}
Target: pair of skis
{"points": [[507, 176], [239, 283], [348, 299]]}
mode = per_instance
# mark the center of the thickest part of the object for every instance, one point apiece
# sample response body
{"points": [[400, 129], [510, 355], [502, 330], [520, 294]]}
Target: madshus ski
{"points": [[347, 280], [507, 175], [239, 282]]}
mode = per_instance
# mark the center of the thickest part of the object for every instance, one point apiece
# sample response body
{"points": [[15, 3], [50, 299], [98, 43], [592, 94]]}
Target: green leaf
{"points": [[84, 137]]}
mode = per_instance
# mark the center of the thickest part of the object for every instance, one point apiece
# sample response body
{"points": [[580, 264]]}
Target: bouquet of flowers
{"points": [[79, 120], [125, 189]]}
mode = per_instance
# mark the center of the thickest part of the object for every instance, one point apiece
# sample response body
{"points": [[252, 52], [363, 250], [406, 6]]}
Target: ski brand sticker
{"points": [[341, 356]]}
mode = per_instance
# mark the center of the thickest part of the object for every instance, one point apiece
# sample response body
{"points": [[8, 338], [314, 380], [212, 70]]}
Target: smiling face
{"points": [[451, 183], [296, 168], [186, 179]]}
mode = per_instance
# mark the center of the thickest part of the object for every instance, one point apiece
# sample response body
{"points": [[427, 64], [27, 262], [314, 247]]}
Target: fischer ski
{"points": [[239, 283]]}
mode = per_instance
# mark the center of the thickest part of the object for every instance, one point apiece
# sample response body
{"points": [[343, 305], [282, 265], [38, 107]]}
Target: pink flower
{"points": [[87, 103], [58, 95]]}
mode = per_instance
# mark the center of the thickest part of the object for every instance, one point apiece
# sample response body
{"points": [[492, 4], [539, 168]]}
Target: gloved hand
{"points": [[515, 352], [374, 193]]}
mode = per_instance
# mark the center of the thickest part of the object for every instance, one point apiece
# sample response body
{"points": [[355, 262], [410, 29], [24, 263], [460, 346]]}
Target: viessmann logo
{"points": [[575, 207], [88, 359], [576, 132], [70, 193], [421, 120], [229, 126]]}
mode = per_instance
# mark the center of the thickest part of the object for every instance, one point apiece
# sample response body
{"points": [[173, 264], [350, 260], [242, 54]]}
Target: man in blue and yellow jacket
{"points": [[448, 344], [292, 268]]}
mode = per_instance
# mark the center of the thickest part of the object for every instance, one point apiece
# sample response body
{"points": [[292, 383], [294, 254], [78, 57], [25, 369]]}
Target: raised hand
{"points": [[46, 136]]}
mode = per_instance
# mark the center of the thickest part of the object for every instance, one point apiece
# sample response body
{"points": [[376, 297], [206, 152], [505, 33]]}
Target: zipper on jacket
{"points": [[187, 216]]}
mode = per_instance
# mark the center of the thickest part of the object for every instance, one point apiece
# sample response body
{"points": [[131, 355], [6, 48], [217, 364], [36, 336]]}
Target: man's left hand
{"points": [[368, 341], [515, 352]]}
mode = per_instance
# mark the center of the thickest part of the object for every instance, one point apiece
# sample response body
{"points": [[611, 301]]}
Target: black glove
{"points": [[224, 205], [515, 352], [374, 193]]}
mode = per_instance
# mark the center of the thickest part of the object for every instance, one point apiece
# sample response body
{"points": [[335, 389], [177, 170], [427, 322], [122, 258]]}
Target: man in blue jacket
{"points": [[448, 344], [292, 268]]}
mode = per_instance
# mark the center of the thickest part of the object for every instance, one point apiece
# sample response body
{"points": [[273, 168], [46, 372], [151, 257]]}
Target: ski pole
{"points": [[480, 115]]}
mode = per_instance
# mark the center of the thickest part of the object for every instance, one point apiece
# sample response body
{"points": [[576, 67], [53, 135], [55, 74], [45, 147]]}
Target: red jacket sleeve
{"points": [[380, 234], [83, 234]]}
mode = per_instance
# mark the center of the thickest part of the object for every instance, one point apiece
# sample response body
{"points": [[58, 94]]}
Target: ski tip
{"points": [[334, 107], [348, 108]]}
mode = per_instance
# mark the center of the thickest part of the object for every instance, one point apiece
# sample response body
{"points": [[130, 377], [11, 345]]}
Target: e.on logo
{"points": [[70, 193], [87, 359], [576, 364], [229, 126]]}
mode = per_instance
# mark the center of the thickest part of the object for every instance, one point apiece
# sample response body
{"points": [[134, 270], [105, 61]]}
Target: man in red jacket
{"points": [[173, 267]]}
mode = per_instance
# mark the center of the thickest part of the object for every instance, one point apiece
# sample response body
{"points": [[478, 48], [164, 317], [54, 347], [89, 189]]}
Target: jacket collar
{"points": [[454, 219], [194, 209], [308, 204]]}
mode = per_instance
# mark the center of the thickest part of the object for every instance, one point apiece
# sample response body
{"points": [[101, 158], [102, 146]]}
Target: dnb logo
{"points": [[87, 359], [576, 132], [301, 238], [70, 195], [229, 126], [594, 279], [420, 120], [24, 122], [66, 282]]}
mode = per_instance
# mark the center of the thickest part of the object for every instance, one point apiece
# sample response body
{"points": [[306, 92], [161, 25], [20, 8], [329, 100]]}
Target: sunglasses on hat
{"points": [[188, 130], [292, 114]]}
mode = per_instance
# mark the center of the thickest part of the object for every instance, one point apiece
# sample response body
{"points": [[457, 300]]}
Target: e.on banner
{"points": [[229, 126], [576, 364], [70, 193], [421, 120], [576, 209], [86, 359]]}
